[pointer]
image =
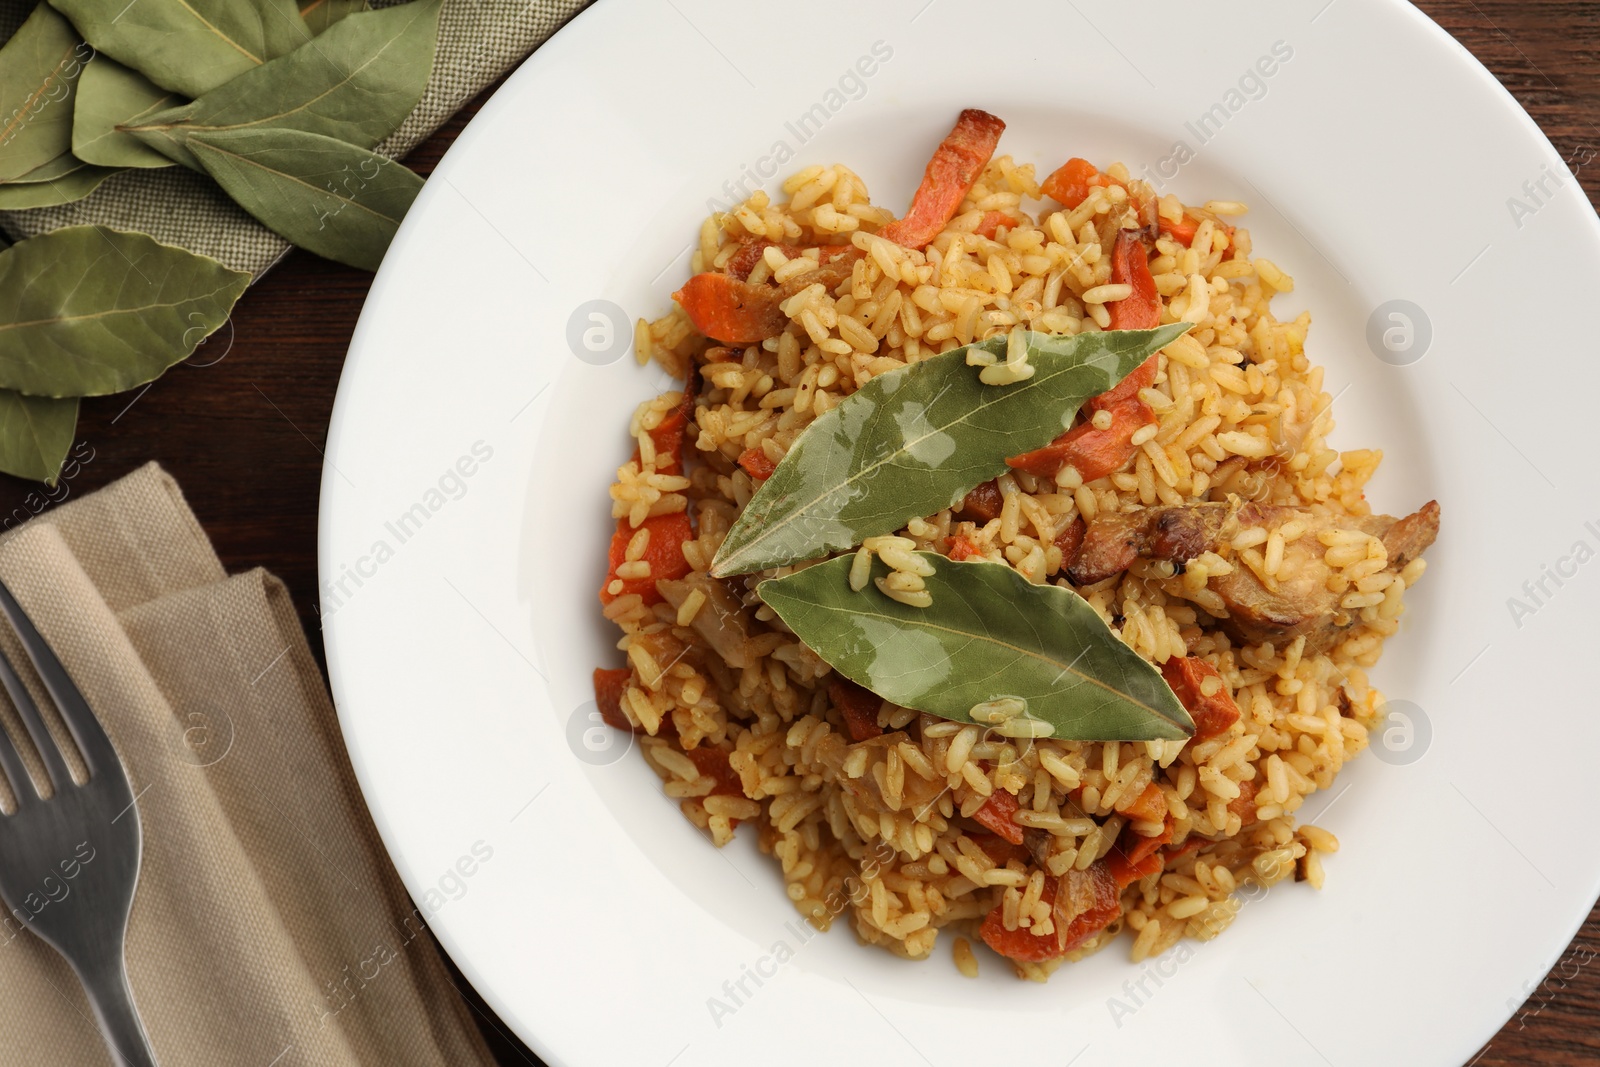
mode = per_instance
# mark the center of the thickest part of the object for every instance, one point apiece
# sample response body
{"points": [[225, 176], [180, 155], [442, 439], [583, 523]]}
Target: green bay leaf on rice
{"points": [[917, 439], [989, 633]]}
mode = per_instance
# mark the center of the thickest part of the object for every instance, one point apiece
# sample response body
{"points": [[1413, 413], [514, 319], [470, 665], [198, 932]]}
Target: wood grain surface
{"points": [[242, 428]]}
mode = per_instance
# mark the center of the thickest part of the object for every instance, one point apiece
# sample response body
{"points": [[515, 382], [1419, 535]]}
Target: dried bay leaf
{"points": [[112, 95], [915, 440], [320, 14], [39, 69], [35, 434], [189, 46], [87, 310], [356, 83], [989, 633], [60, 182], [339, 201], [59, 167]]}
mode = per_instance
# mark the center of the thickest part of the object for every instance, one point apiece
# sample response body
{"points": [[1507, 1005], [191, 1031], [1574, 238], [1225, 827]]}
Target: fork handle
{"points": [[120, 1025]]}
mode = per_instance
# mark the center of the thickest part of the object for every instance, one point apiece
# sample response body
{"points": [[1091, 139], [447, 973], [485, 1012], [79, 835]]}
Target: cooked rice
{"points": [[883, 833]]}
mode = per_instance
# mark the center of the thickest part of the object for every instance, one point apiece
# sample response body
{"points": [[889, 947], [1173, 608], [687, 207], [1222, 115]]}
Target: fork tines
{"points": [[90, 736]]}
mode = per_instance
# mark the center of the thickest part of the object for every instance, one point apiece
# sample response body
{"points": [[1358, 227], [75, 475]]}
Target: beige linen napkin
{"points": [[269, 927], [479, 40]]}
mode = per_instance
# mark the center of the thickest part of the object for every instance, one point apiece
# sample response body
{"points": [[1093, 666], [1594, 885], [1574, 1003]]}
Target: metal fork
{"points": [[69, 865]]}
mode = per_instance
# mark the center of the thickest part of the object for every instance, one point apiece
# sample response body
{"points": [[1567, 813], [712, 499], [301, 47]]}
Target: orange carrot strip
{"points": [[1125, 870], [1130, 265], [1070, 183], [1213, 714], [1096, 893], [664, 554], [1093, 899], [609, 685], [1141, 310], [1141, 377], [1136, 856], [992, 221], [962, 549], [713, 764], [668, 438], [1094, 452], [996, 815], [1175, 852], [950, 175], [1148, 806], [731, 310], [1244, 805], [668, 434], [1022, 944], [1136, 846], [1184, 229], [756, 464]]}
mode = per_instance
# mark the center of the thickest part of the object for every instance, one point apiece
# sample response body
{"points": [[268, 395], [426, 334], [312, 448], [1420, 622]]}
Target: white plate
{"points": [[1380, 160]]}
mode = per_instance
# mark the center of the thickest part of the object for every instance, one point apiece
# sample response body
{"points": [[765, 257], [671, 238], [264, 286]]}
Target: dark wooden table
{"points": [[243, 434]]}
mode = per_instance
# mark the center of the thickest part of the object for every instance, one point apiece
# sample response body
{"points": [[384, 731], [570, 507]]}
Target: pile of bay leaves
{"points": [[279, 104]]}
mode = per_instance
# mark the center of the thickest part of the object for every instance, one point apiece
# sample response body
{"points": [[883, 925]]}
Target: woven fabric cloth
{"points": [[268, 926], [479, 40]]}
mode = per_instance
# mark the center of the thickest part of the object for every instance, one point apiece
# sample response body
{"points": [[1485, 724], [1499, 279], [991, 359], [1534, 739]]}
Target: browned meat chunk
{"points": [[1299, 600], [1177, 534], [745, 259], [1410, 537], [982, 504], [722, 620]]}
